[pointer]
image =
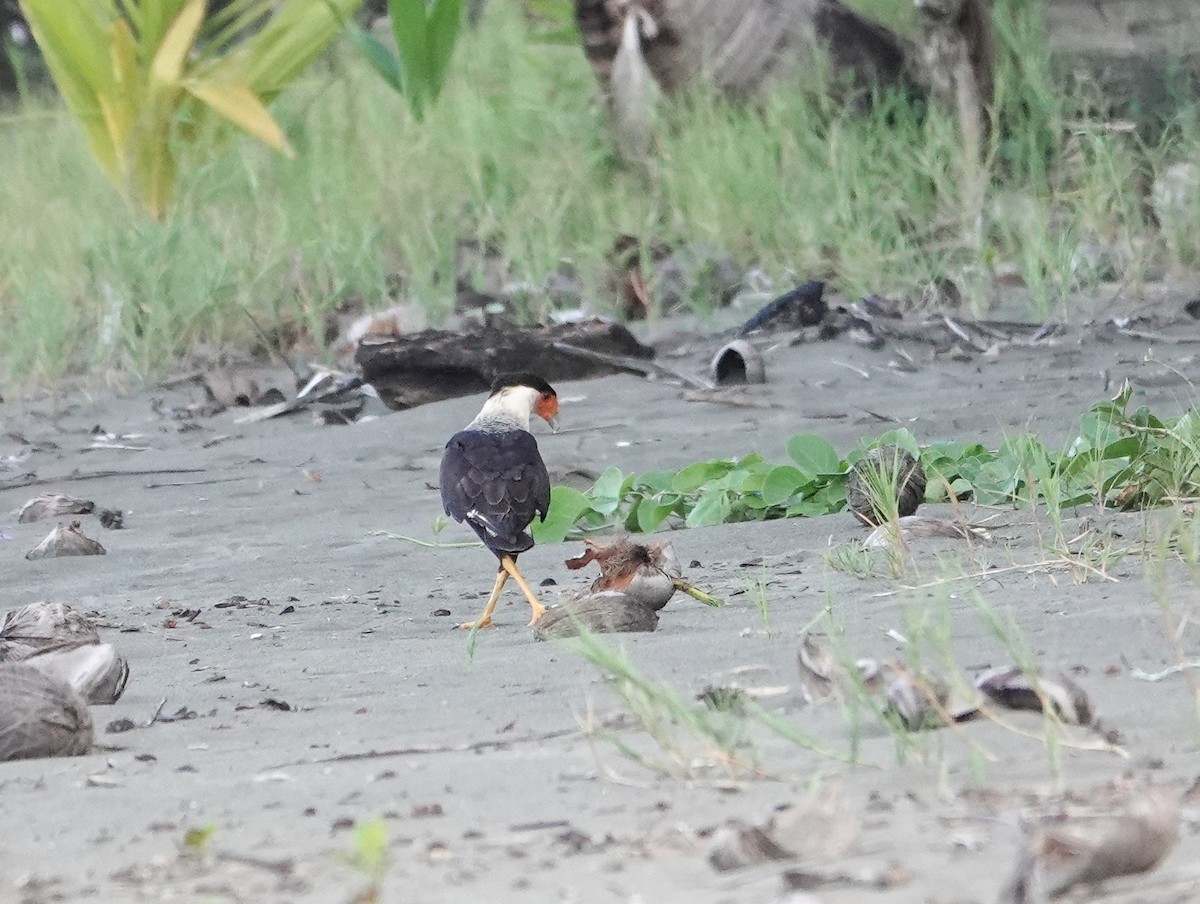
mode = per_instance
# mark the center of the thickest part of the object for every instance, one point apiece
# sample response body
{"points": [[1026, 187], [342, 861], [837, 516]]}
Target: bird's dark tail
{"points": [[500, 538]]}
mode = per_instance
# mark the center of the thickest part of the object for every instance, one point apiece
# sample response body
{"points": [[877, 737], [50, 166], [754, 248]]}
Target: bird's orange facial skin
{"points": [[547, 407]]}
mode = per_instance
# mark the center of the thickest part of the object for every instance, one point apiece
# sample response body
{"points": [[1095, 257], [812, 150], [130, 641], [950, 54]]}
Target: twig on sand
{"points": [[1156, 337], [195, 483], [633, 365], [426, 750], [988, 573], [33, 481], [283, 867], [858, 370], [1165, 673], [737, 400], [467, 545]]}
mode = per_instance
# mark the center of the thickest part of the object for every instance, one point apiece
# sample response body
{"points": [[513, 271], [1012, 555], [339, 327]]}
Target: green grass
{"points": [[517, 151]]}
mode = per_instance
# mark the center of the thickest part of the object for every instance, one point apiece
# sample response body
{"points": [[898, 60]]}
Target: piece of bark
{"points": [[53, 505], [96, 672], [44, 626], [606, 612], [433, 365], [40, 716], [1074, 850], [65, 541]]}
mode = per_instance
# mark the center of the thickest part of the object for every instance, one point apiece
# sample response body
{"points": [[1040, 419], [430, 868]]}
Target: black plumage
{"points": [[496, 481]]}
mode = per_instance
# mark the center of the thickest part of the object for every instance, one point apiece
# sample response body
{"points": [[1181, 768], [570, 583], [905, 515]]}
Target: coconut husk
{"points": [[40, 716], [54, 505], [44, 626], [818, 828], [96, 672], [1085, 849], [64, 643], [605, 612], [1013, 688], [65, 541], [645, 572], [876, 468]]}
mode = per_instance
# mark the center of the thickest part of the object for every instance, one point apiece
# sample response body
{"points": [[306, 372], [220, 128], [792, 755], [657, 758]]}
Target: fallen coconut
{"points": [[40, 716], [64, 643], [96, 672], [883, 471], [65, 541], [1070, 850], [54, 505], [603, 612], [43, 626]]}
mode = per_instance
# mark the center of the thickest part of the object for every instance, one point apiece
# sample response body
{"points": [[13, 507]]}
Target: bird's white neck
{"points": [[510, 408]]}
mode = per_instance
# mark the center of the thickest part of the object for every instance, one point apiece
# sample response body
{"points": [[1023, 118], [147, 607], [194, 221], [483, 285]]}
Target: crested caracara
{"points": [[493, 477]]}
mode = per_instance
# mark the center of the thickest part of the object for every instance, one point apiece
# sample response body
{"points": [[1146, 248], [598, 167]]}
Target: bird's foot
{"points": [[538, 611], [485, 622]]}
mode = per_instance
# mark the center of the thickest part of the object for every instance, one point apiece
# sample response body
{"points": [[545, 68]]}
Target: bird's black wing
{"points": [[497, 483]]}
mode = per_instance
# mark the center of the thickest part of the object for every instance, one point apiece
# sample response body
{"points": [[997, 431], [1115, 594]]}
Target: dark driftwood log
{"points": [[740, 44], [40, 716], [606, 612], [432, 365]]}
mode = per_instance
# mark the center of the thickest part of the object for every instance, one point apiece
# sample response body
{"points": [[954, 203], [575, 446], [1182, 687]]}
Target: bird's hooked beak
{"points": [[547, 410]]}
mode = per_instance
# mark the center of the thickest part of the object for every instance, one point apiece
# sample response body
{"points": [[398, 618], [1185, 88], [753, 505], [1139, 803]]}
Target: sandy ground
{"points": [[480, 770]]}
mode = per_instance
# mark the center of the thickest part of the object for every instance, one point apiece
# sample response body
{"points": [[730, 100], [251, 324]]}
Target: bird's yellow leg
{"points": [[510, 567], [485, 620]]}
